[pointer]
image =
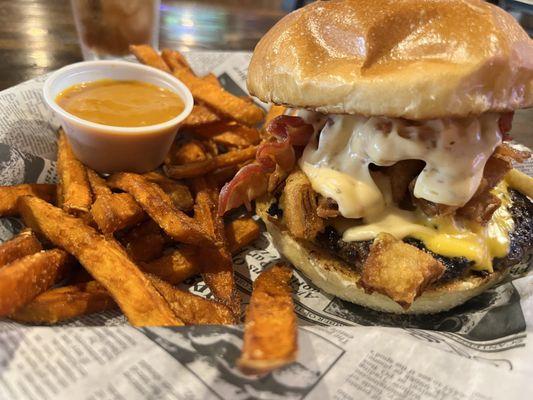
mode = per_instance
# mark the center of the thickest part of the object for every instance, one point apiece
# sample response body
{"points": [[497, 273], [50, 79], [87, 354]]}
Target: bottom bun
{"points": [[335, 277]]}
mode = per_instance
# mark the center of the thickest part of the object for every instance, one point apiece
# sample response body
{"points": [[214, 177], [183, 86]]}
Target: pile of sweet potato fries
{"points": [[94, 243]]}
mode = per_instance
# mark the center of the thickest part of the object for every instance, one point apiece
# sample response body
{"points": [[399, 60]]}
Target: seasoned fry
{"points": [[105, 260], [217, 265], [231, 139], [145, 242], [178, 192], [196, 169], [270, 332], [192, 309], [184, 262], [224, 128], [175, 60], [240, 233], [214, 96], [148, 56], [98, 185], [176, 266], [73, 184], [520, 181], [29, 276], [10, 194], [186, 151], [273, 112], [211, 78], [158, 205], [200, 115], [116, 211], [22, 245], [64, 303]]}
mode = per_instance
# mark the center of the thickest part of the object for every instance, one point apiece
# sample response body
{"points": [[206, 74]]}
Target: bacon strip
{"points": [[273, 159]]}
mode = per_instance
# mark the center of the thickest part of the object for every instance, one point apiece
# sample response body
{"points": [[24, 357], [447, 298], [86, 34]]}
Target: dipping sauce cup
{"points": [[106, 148]]}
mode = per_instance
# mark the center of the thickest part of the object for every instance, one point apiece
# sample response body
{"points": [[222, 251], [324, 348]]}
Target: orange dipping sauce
{"points": [[120, 103]]}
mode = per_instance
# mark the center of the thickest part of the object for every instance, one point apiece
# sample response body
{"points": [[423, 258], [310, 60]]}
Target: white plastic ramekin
{"points": [[110, 148]]}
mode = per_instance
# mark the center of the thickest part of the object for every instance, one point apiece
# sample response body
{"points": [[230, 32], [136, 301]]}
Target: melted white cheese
{"points": [[455, 151]]}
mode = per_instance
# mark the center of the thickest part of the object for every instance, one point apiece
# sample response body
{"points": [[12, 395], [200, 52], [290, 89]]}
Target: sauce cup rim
{"points": [[179, 89]]}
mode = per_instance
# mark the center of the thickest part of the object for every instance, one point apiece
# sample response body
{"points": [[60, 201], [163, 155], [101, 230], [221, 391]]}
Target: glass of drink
{"points": [[107, 27]]}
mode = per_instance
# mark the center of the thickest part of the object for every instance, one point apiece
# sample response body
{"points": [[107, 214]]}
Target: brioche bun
{"points": [[336, 277], [415, 59]]}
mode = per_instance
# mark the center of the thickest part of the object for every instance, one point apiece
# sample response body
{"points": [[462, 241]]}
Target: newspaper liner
{"points": [[477, 351]]}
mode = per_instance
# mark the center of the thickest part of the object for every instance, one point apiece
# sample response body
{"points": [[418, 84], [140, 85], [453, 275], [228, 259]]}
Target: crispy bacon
{"points": [[273, 161], [505, 124]]}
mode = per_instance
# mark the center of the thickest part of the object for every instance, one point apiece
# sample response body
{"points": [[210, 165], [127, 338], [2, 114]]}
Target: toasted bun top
{"points": [[415, 59]]}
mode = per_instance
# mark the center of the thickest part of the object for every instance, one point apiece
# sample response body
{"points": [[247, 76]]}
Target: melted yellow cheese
{"points": [[446, 236]]}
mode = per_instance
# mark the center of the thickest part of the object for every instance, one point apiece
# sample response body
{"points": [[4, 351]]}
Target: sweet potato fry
{"points": [[105, 260], [98, 184], [61, 304], [158, 205], [211, 78], [178, 192], [145, 242], [25, 278], [176, 266], [148, 56], [223, 129], [270, 332], [192, 170], [73, 184], [116, 211], [22, 245], [217, 265], [200, 115], [240, 233], [10, 194], [184, 262], [193, 309], [186, 151], [175, 60], [222, 102], [230, 139]]}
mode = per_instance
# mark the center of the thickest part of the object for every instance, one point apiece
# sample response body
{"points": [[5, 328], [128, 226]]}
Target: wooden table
{"points": [[38, 36]]}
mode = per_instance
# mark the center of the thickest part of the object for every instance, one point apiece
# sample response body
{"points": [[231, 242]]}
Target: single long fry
{"points": [[61, 304], [199, 116], [144, 242], [29, 276], [105, 260], [148, 56], [196, 169], [241, 232], [193, 309], [184, 262], [116, 211], [176, 266], [223, 128], [217, 265], [175, 60], [98, 185], [270, 332], [74, 192], [178, 192], [10, 194], [158, 205], [24, 244], [215, 97], [520, 181]]}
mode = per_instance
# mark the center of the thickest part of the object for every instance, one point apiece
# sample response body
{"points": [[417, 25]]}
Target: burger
{"points": [[386, 177]]}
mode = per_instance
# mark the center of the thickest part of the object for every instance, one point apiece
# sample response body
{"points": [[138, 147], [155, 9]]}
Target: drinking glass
{"points": [[107, 27]]}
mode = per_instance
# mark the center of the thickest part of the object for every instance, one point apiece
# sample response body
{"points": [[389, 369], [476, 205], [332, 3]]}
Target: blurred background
{"points": [[38, 36]]}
